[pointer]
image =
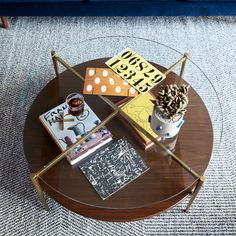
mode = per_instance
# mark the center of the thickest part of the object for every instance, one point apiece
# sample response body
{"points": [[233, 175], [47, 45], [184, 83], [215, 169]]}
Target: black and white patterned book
{"points": [[113, 167]]}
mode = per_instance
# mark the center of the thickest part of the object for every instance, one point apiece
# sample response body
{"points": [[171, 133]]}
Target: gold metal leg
{"points": [[195, 192], [34, 179], [183, 65], [55, 63], [34, 176]]}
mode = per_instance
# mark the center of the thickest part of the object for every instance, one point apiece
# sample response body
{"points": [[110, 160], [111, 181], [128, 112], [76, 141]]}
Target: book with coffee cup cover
{"points": [[67, 132]]}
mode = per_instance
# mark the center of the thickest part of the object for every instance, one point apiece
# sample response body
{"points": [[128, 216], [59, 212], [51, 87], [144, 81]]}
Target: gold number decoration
{"points": [[135, 70]]}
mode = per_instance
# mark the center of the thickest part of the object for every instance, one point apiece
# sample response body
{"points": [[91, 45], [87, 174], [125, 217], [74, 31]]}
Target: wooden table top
{"points": [[160, 188]]}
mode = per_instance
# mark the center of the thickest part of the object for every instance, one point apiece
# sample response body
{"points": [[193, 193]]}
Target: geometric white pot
{"points": [[165, 128]]}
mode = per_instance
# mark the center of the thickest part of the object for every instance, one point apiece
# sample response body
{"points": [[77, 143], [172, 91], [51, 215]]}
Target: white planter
{"points": [[165, 128]]}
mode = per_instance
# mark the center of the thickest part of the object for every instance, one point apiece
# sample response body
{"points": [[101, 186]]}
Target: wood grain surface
{"points": [[159, 189]]}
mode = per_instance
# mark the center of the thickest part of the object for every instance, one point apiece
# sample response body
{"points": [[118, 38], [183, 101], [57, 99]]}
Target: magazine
{"points": [[74, 129]]}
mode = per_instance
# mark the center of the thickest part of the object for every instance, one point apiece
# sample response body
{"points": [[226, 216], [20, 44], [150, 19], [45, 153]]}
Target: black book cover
{"points": [[113, 167]]}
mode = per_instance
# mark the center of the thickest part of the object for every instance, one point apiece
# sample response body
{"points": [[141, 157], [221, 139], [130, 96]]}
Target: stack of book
{"points": [[73, 130], [139, 109]]}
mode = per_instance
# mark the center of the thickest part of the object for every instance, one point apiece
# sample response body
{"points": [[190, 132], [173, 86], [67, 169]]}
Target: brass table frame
{"points": [[117, 110]]}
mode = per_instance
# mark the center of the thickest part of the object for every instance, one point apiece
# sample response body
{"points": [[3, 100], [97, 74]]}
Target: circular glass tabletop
{"points": [[155, 52], [166, 177]]}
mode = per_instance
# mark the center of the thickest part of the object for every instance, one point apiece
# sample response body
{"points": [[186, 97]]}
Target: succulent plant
{"points": [[171, 101]]}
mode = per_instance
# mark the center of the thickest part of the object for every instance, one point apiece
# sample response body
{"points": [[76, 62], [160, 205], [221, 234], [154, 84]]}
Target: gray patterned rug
{"points": [[25, 68]]}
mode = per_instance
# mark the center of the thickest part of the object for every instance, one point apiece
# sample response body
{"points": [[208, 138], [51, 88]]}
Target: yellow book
{"points": [[139, 109]]}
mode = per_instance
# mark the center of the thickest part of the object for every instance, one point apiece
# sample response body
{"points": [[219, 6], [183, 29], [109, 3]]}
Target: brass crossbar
{"points": [[117, 110]]}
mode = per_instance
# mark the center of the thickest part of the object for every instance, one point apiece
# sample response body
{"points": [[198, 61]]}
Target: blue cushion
{"points": [[119, 8], [210, 1], [38, 1], [131, 1]]}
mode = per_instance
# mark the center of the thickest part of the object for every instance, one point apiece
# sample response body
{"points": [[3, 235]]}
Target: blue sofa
{"points": [[117, 7]]}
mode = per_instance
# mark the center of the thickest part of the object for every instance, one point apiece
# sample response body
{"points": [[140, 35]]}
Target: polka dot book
{"points": [[104, 81]]}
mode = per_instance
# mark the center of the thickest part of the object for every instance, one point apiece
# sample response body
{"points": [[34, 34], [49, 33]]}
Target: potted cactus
{"points": [[170, 107]]}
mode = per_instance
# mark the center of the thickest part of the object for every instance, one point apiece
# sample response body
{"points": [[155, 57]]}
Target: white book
{"points": [[74, 130]]}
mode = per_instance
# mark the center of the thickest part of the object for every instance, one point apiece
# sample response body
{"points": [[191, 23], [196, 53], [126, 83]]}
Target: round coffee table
{"points": [[159, 189]]}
